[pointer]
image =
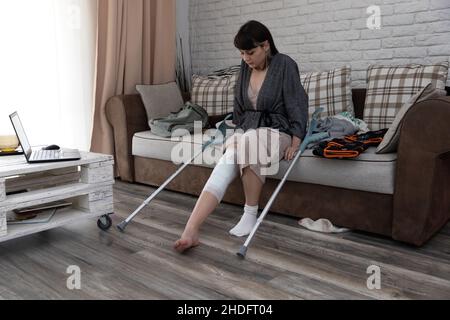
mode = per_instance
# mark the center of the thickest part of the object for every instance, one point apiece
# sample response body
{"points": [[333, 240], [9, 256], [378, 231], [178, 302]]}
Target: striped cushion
{"points": [[389, 87], [330, 90], [215, 93]]}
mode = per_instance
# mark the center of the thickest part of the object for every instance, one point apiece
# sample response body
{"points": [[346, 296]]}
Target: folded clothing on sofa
{"points": [[350, 146]]}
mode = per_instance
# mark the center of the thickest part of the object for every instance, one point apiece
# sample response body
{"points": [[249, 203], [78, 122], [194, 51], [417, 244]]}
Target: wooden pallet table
{"points": [[86, 183]]}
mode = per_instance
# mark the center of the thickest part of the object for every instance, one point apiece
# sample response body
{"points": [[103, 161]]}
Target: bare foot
{"points": [[186, 242]]}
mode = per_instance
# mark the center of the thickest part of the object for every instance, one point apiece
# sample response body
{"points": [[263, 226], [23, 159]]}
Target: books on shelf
{"points": [[45, 206], [11, 152], [36, 214], [42, 217]]}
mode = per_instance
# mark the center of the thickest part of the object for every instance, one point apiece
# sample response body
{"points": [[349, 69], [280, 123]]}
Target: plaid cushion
{"points": [[215, 93], [330, 90], [389, 87]]}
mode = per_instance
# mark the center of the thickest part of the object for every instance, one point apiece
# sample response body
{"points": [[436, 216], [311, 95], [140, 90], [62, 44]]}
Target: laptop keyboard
{"points": [[45, 154]]}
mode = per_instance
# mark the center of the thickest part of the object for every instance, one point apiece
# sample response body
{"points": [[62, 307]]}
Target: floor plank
{"points": [[284, 261]]}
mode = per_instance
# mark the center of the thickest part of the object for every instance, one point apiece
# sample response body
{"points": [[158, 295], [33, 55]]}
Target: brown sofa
{"points": [[418, 207]]}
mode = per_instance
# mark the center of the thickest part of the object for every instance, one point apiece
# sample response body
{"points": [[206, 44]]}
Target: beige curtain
{"points": [[136, 45]]}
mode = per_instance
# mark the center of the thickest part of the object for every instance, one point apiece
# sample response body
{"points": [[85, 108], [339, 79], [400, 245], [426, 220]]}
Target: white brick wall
{"points": [[321, 35]]}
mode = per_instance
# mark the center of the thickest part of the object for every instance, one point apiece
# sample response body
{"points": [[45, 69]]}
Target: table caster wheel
{"points": [[105, 222]]}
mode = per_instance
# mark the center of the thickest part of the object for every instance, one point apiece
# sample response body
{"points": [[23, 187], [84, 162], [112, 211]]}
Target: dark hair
{"points": [[252, 34]]}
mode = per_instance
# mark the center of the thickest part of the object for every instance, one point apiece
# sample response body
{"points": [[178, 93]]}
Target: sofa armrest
{"points": [[422, 191], [127, 115]]}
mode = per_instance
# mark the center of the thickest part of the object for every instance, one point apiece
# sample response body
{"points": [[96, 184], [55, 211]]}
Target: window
{"points": [[47, 69]]}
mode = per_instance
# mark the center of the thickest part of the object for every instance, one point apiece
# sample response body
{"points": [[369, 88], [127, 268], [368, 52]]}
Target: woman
{"points": [[270, 102]]}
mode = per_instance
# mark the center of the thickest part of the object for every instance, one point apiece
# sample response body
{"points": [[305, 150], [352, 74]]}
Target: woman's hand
{"points": [[291, 152]]}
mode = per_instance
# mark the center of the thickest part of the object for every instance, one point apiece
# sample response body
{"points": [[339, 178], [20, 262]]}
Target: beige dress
{"points": [[259, 156]]}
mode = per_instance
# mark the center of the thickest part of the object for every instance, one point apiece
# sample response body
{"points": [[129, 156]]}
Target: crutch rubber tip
{"points": [[122, 226], [243, 252]]}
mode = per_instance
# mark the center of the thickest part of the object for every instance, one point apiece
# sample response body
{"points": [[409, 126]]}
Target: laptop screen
{"points": [[17, 124]]}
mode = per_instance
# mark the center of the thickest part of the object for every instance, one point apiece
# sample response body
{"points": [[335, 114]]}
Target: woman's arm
{"points": [[296, 142], [238, 111], [296, 101], [297, 105], [290, 152]]}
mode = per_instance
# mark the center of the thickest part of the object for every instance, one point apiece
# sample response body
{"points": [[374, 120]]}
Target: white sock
{"points": [[248, 221]]}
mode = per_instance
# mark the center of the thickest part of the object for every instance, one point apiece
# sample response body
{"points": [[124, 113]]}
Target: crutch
{"points": [[219, 137], [310, 138]]}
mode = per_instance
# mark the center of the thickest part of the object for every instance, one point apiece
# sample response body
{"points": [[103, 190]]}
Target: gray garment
{"points": [[265, 137], [282, 102], [337, 128]]}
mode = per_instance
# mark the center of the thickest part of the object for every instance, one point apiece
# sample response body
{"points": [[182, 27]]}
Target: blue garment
{"points": [[336, 128], [333, 128]]}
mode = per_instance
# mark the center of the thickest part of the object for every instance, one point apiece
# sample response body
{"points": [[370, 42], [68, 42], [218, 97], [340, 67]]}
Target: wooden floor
{"points": [[284, 261]]}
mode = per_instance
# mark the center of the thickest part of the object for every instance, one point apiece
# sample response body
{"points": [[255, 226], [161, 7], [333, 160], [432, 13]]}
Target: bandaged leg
{"points": [[223, 175]]}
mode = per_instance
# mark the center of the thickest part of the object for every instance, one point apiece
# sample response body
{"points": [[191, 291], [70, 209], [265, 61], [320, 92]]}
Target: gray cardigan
{"points": [[282, 101]]}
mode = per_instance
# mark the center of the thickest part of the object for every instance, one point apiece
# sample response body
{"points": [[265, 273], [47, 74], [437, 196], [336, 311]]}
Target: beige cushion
{"points": [[370, 172], [160, 100], [392, 137], [331, 90], [389, 87]]}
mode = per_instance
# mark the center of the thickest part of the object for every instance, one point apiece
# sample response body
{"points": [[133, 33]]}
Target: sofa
{"points": [[404, 196]]}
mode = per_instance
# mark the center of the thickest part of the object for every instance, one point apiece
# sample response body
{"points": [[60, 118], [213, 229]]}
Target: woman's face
{"points": [[256, 57]]}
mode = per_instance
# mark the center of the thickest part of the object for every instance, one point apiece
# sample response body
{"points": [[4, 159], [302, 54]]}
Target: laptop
{"points": [[40, 156]]}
